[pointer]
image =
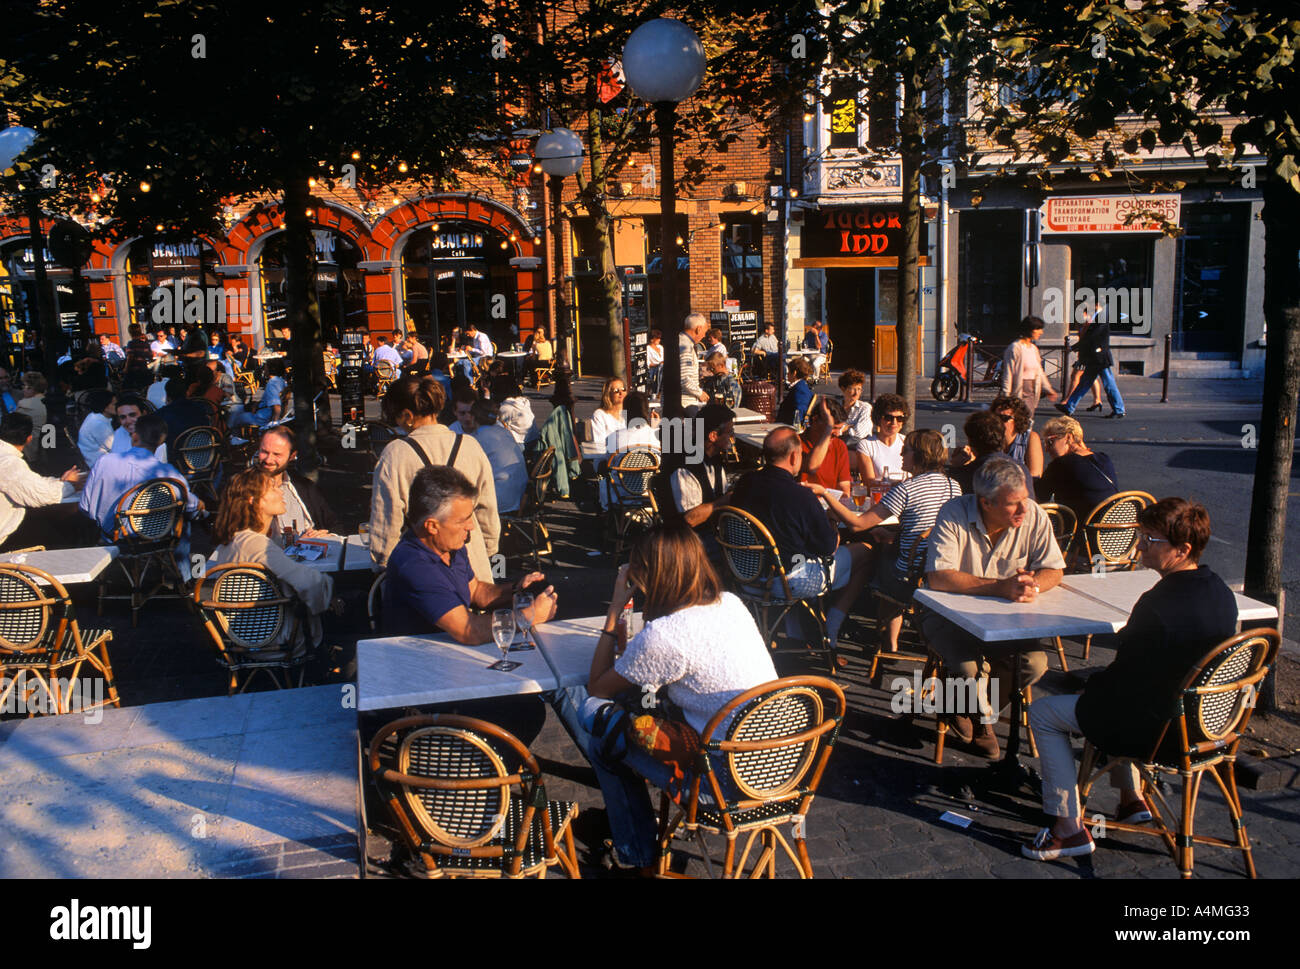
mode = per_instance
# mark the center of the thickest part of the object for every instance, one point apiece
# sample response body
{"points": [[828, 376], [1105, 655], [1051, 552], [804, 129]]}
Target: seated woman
{"points": [[916, 503], [699, 645], [1019, 440], [880, 455], [249, 504], [516, 411], [609, 416], [642, 430], [794, 408], [1077, 477], [1123, 708]]}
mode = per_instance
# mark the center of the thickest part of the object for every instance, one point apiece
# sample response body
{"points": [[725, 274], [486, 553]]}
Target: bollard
{"points": [[1164, 391]]}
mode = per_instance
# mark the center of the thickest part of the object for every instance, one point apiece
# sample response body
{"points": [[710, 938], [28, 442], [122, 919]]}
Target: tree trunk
{"points": [[908, 260], [1276, 438], [302, 316], [611, 291]]}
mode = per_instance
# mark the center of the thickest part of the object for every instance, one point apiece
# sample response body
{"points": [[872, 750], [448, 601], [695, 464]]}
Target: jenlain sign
{"points": [[856, 232]]}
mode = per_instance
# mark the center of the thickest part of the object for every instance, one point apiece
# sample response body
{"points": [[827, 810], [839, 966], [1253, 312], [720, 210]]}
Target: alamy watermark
{"points": [[678, 435], [27, 695], [1119, 305], [967, 695]]}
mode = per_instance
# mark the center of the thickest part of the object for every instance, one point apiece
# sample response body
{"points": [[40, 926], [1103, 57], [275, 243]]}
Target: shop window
{"points": [[742, 263], [1122, 266]]}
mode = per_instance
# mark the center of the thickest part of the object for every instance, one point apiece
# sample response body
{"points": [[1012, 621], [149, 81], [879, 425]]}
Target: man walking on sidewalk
{"points": [[1094, 353]]}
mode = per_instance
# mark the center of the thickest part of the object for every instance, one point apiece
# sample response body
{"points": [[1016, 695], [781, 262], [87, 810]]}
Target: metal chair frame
{"points": [[144, 537], [915, 575], [242, 650], [631, 501], [445, 781], [755, 566], [775, 750], [1208, 718], [40, 637], [527, 522], [1065, 527]]}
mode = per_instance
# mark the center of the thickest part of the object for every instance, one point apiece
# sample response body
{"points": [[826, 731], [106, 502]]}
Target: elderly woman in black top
{"points": [[1076, 476], [1124, 707]]}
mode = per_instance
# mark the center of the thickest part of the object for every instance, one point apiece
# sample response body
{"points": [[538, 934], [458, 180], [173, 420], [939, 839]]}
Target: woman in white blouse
{"points": [[609, 416], [699, 645], [880, 456], [250, 502]]}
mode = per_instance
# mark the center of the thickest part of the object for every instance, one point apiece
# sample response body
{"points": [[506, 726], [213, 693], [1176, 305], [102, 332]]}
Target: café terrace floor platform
{"points": [[257, 785]]}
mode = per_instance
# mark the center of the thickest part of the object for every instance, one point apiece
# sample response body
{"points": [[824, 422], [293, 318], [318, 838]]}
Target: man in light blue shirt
{"points": [[268, 408], [116, 474]]}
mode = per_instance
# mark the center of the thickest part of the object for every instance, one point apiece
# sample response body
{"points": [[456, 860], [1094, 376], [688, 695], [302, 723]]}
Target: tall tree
{"points": [[1220, 80], [918, 49], [206, 101]]}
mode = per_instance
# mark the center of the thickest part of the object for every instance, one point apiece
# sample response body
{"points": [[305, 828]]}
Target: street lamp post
{"points": [[13, 142], [664, 63], [560, 153]]}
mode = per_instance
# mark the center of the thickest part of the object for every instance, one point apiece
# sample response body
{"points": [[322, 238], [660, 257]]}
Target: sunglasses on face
{"points": [[896, 418], [1007, 417]]}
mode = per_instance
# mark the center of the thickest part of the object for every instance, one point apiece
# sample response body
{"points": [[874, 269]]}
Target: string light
{"points": [[145, 186], [401, 167], [356, 156]]}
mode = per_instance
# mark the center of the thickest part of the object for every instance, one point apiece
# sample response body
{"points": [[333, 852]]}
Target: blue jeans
{"points": [[632, 819], [1107, 376]]}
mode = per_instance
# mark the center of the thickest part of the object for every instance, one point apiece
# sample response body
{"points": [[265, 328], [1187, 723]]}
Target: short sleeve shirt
{"points": [[959, 542], [886, 458], [834, 468], [419, 588]]}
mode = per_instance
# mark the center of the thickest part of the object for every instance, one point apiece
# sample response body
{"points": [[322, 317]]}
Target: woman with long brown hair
{"points": [[241, 530], [610, 415], [699, 645]]}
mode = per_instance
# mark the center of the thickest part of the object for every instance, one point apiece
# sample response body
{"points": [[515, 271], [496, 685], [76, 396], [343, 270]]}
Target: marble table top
{"points": [[1057, 612], [1121, 591], [400, 671], [746, 416], [332, 560], [568, 645], [356, 554], [753, 434], [68, 565]]}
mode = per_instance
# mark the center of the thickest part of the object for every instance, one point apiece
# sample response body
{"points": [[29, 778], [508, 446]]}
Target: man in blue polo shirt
{"points": [[430, 585]]}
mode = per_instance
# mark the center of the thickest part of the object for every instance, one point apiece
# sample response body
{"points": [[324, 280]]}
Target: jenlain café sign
{"points": [[866, 235]]}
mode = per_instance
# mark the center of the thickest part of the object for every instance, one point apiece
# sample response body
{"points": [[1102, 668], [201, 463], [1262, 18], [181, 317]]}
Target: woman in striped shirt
{"points": [[916, 502]]}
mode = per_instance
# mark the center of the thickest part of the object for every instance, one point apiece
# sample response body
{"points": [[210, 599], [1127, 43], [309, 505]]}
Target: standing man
{"points": [[693, 330], [996, 542], [306, 510], [1094, 354]]}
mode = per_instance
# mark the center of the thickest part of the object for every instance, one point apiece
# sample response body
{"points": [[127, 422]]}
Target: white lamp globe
{"points": [[560, 152], [664, 60], [13, 142]]}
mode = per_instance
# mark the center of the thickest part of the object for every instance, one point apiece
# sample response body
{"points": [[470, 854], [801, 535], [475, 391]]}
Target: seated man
{"points": [[182, 412], [477, 348], [766, 353], [1124, 707], [306, 510], [984, 437], [116, 474], [802, 531], [129, 410], [825, 455], [95, 439], [700, 487], [32, 511], [463, 401], [269, 407], [504, 453], [430, 586], [995, 542]]}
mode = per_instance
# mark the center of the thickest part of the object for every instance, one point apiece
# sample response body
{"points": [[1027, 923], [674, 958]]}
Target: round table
{"points": [[515, 357]]}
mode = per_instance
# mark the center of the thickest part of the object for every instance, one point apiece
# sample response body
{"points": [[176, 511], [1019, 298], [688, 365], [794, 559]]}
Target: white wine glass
{"points": [[503, 631], [524, 601]]}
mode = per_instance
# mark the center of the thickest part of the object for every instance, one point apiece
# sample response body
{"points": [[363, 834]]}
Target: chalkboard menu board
{"points": [[638, 328], [738, 327]]}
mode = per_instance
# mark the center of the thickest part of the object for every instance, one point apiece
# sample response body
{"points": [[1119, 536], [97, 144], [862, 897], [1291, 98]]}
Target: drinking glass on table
{"points": [[523, 601], [859, 493], [503, 631]]}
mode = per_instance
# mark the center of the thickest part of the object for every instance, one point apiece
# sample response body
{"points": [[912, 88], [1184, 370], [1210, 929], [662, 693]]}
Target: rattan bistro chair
{"points": [[245, 612], [1064, 527], [778, 739], [632, 505], [149, 522], [526, 524], [197, 455], [385, 374], [446, 782], [1108, 537], [41, 641], [760, 580], [1207, 720]]}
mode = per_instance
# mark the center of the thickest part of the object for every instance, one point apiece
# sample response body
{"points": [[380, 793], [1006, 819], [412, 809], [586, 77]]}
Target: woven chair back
{"points": [[249, 605], [196, 451], [1064, 522], [152, 511], [747, 546], [1222, 692], [630, 474], [1112, 526], [461, 818], [780, 765], [27, 616], [539, 480], [385, 370]]}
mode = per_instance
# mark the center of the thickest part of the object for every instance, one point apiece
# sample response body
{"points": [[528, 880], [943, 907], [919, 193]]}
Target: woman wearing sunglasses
{"points": [[880, 455], [1076, 476]]}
